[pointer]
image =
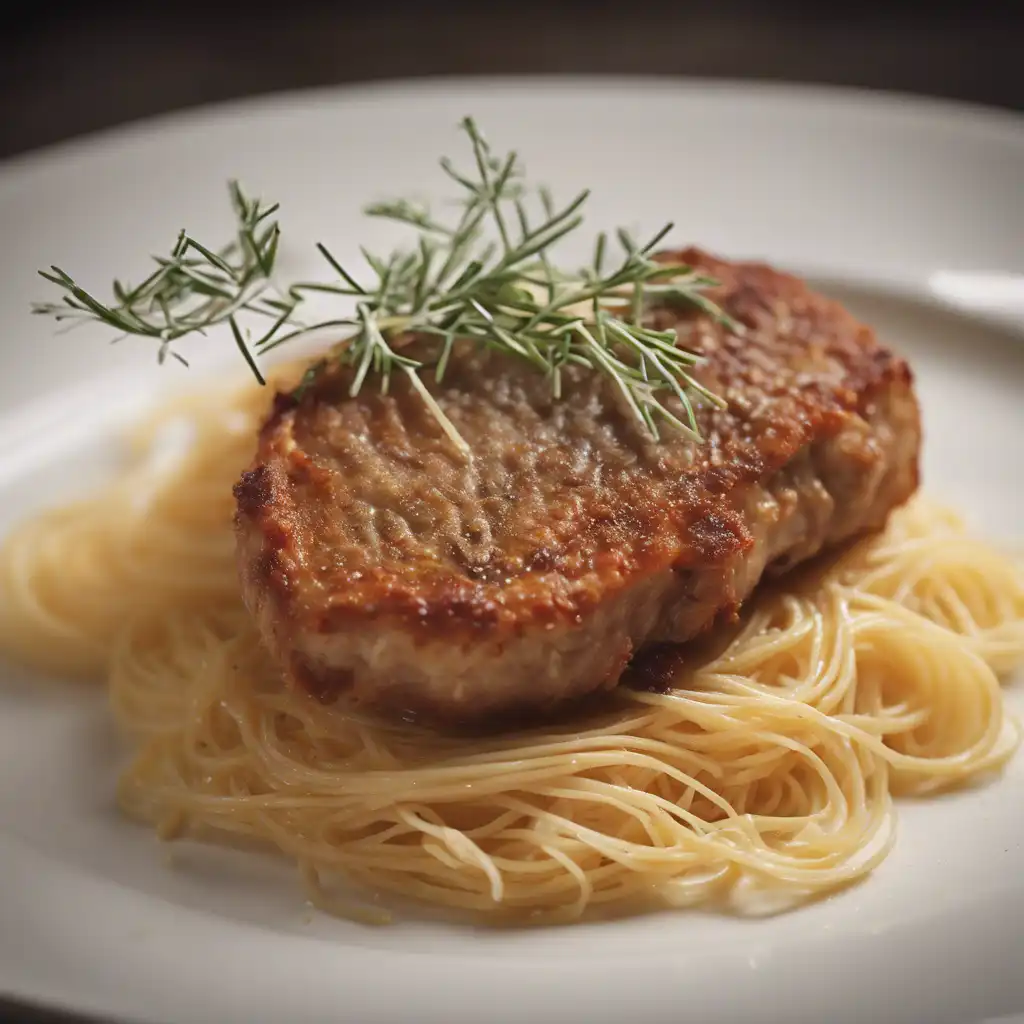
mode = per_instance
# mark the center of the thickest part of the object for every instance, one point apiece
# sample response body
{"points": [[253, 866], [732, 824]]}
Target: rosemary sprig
{"points": [[193, 289], [488, 278]]}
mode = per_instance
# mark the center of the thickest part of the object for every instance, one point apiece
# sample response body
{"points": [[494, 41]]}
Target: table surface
{"points": [[68, 68], [65, 70]]}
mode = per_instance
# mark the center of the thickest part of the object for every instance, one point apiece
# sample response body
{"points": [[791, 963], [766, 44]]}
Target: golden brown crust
{"points": [[358, 514]]}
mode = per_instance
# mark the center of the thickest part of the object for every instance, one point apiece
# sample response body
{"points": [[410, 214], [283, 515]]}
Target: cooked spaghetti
{"points": [[768, 767]]}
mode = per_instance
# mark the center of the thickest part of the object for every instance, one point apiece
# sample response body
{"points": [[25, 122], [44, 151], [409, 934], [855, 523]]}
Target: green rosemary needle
{"points": [[192, 290], [487, 278]]}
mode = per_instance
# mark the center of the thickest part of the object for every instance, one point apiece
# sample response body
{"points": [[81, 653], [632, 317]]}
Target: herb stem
{"points": [[453, 283]]}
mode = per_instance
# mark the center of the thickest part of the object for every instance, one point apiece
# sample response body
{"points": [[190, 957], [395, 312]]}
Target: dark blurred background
{"points": [[67, 68]]}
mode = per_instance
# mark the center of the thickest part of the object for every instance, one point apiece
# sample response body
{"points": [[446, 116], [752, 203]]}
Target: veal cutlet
{"points": [[385, 568]]}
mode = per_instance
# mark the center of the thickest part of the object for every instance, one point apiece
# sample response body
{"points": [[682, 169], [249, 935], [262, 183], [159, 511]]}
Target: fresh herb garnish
{"points": [[459, 283], [191, 290]]}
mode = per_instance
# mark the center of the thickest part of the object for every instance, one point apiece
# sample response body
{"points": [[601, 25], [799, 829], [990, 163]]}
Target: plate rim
{"points": [[888, 103]]}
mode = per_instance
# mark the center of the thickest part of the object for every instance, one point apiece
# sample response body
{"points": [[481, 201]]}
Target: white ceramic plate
{"points": [[912, 211]]}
